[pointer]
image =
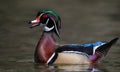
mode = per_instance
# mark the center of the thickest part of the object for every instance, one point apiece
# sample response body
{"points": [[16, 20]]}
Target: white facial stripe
{"points": [[47, 21], [41, 14], [55, 26], [48, 29]]}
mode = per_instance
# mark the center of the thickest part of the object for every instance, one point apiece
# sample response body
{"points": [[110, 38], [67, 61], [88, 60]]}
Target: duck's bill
{"points": [[34, 23]]}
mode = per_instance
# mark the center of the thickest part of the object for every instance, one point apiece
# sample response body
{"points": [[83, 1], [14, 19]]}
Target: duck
{"points": [[48, 51]]}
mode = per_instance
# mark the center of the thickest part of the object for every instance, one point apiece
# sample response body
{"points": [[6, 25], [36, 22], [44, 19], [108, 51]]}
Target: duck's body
{"points": [[49, 52], [81, 54]]}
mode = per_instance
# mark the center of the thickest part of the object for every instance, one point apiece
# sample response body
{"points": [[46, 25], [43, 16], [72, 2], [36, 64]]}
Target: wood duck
{"points": [[49, 52]]}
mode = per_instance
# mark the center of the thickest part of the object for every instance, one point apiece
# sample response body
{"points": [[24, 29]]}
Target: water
{"points": [[83, 21], [31, 67]]}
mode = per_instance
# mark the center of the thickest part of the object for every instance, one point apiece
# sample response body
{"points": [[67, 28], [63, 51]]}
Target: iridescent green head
{"points": [[51, 20]]}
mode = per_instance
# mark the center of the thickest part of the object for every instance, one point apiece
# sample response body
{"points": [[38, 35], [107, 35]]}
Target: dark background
{"points": [[83, 21]]}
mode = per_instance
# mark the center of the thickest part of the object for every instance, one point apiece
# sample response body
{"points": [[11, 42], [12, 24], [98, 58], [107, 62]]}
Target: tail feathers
{"points": [[102, 50]]}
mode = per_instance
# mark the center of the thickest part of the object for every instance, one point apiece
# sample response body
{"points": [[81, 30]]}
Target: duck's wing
{"points": [[75, 48], [88, 49]]}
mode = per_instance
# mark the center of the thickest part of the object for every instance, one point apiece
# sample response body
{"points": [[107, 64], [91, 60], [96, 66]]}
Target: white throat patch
{"points": [[48, 29]]}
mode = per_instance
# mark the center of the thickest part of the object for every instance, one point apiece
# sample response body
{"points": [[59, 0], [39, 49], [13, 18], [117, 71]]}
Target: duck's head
{"points": [[50, 19]]}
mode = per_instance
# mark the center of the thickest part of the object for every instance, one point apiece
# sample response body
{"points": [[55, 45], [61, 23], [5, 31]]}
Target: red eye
{"points": [[45, 16]]}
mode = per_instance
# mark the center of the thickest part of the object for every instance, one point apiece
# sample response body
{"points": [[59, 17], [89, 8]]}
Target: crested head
{"points": [[50, 19]]}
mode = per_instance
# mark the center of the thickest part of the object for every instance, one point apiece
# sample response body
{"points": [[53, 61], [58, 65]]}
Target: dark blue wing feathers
{"points": [[85, 48], [76, 47]]}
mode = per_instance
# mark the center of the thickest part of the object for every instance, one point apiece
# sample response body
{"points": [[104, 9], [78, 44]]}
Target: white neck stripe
{"points": [[47, 21], [48, 29]]}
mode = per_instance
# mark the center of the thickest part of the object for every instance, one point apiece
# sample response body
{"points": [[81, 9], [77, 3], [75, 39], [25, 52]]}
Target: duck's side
{"points": [[71, 58], [81, 54]]}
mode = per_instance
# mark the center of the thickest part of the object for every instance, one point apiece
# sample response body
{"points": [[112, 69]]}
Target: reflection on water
{"points": [[69, 68], [54, 68], [45, 68], [31, 67], [95, 20], [62, 68]]}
